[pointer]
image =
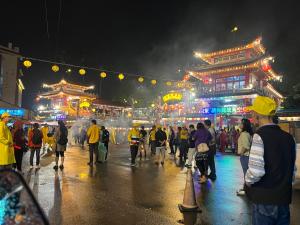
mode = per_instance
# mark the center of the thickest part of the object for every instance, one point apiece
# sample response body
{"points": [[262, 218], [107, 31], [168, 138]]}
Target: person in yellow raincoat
{"points": [[134, 140], [45, 131], [7, 156]]}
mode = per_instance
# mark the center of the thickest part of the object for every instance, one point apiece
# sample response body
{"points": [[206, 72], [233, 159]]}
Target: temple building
{"points": [[230, 80], [66, 100]]}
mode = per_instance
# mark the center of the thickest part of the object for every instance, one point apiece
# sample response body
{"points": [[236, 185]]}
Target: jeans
{"points": [[191, 154], [93, 150], [171, 144], [270, 214], [160, 154], [211, 160], [152, 144], [37, 155], [244, 162], [133, 150], [184, 147]]}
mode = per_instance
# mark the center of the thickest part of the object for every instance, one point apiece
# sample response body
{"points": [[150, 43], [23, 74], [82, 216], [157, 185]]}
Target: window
{"points": [[230, 83]]}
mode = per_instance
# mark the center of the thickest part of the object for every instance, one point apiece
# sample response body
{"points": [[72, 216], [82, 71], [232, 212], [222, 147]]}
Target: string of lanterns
{"points": [[82, 70]]}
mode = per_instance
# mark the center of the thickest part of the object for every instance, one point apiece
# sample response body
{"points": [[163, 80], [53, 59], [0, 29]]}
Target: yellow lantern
{"points": [[27, 63], [168, 83], [121, 76], [153, 82], [55, 68], [82, 72], [141, 79], [103, 74]]}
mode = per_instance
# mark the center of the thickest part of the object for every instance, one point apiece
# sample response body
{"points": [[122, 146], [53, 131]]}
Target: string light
{"points": [[82, 72], [55, 68], [27, 63], [141, 79], [121, 76], [103, 74], [153, 82]]}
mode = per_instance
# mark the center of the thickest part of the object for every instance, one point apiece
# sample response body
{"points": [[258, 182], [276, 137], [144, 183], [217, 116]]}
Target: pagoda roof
{"points": [[63, 83], [252, 63], [256, 45], [62, 91]]}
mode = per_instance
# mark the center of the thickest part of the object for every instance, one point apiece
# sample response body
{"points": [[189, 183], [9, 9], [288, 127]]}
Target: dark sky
{"points": [[153, 38]]}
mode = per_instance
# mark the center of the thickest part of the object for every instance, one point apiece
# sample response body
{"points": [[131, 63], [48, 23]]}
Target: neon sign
{"points": [[13, 112], [172, 97], [224, 110], [84, 104]]}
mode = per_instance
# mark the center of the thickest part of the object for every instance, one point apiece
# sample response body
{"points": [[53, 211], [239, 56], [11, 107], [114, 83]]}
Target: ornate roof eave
{"points": [[64, 83], [255, 45], [54, 94], [274, 91]]}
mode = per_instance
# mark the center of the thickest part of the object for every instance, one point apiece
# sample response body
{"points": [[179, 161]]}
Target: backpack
{"points": [[63, 138], [37, 137]]}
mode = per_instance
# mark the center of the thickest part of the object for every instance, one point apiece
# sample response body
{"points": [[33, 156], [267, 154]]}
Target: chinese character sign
{"points": [[224, 110]]}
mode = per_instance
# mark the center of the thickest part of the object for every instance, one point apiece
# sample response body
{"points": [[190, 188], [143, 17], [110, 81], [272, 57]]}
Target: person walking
{"points": [[93, 135], [134, 142], [61, 137], [212, 150], [7, 156], [105, 139], [19, 144], [35, 141], [191, 151], [177, 140], [142, 146], [171, 140], [83, 136], [161, 145], [244, 143], [271, 168], [152, 139], [223, 140], [184, 145], [202, 138]]}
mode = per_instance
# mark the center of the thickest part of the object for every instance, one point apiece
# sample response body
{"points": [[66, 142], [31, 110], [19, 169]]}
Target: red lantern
{"points": [[266, 67]]}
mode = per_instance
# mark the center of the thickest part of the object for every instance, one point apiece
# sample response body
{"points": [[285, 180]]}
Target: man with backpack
{"points": [[35, 141], [61, 137], [105, 139]]}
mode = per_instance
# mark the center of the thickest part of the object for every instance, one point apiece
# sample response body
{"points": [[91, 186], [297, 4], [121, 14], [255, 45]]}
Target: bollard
{"points": [[189, 199]]}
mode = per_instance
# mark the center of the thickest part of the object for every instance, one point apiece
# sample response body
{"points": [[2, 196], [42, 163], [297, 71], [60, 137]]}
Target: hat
{"points": [[4, 115], [263, 105]]}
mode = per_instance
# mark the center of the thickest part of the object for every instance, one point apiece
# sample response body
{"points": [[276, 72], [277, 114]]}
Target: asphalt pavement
{"points": [[114, 193]]}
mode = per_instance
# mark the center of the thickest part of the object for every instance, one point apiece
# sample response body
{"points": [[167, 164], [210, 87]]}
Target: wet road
{"points": [[114, 193]]}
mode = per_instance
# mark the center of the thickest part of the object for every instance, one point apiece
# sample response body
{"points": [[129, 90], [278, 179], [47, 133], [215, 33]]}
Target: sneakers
{"points": [[61, 167], [203, 180], [31, 167], [55, 167], [241, 193], [37, 167], [132, 164]]}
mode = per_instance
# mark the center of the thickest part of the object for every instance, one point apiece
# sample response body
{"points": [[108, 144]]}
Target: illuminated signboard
{"points": [[13, 112], [84, 104], [61, 117], [224, 110], [172, 97]]}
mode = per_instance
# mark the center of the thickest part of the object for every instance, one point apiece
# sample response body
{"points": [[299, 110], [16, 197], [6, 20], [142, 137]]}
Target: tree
{"points": [[293, 100]]}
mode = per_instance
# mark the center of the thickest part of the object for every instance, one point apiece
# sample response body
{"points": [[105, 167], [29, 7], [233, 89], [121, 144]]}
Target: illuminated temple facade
{"points": [[231, 79]]}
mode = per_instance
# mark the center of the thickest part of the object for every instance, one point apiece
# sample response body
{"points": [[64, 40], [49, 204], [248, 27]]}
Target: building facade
{"points": [[11, 86]]}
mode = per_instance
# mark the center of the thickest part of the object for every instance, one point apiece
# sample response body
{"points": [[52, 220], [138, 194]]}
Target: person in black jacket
{"points": [[192, 147], [171, 140], [161, 143], [105, 139]]}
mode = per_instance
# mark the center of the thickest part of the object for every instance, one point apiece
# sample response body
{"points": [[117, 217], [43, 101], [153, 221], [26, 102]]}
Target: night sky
{"points": [[151, 38]]}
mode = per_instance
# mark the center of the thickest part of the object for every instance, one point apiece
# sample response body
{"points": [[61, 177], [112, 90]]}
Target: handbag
{"points": [[202, 147]]}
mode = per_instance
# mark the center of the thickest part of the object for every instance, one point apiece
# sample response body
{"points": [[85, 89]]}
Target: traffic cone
{"points": [[189, 200]]}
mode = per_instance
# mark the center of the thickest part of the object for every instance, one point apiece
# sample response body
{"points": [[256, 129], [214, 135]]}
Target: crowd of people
{"points": [[267, 156]]}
